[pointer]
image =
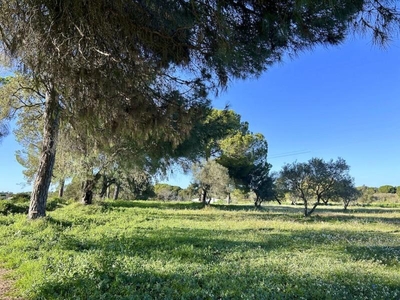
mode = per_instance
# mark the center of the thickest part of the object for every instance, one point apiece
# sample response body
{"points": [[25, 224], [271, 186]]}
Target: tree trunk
{"points": [[104, 187], [51, 117], [204, 197], [108, 192], [229, 198], [308, 213], [345, 204], [88, 187], [61, 189], [87, 197], [305, 208], [116, 191]]}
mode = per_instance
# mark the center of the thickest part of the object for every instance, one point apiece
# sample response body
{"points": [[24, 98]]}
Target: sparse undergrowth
{"points": [[154, 250]]}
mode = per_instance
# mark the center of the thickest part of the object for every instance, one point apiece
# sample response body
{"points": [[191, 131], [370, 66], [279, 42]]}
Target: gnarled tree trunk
{"points": [[88, 187], [37, 206], [104, 187], [87, 197]]}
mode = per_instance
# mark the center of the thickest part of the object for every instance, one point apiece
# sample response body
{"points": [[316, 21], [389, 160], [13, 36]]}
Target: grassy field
{"points": [[155, 250]]}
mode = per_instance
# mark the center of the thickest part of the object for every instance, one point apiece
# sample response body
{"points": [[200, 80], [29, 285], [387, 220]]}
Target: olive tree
{"points": [[344, 191], [212, 178], [316, 181]]}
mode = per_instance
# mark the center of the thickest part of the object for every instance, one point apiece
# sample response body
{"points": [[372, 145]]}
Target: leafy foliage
{"points": [[387, 189], [317, 181], [212, 178], [367, 194], [244, 154], [165, 191]]}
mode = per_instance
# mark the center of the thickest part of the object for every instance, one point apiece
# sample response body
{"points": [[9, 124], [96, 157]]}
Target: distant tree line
{"points": [[5, 195]]}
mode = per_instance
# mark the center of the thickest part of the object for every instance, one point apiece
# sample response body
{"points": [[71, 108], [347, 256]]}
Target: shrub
{"points": [[54, 203], [13, 207], [387, 189], [21, 197]]}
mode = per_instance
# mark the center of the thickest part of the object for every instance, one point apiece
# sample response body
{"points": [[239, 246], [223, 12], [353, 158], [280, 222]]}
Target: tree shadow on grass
{"points": [[110, 281], [60, 223], [329, 209], [352, 218], [333, 214], [234, 207], [386, 255], [373, 210], [151, 204], [174, 205], [191, 263], [198, 264], [294, 214], [183, 244], [205, 246]]}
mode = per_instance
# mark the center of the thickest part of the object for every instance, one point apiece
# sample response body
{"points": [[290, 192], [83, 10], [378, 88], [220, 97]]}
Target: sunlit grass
{"points": [[155, 250]]}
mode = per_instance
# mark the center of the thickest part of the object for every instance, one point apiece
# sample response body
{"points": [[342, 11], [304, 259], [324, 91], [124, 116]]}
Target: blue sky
{"points": [[330, 102]]}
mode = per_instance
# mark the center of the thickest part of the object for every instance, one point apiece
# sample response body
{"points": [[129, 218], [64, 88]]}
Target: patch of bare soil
{"points": [[6, 286]]}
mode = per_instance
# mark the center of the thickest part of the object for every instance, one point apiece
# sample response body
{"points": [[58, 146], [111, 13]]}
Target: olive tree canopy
{"points": [[317, 181]]}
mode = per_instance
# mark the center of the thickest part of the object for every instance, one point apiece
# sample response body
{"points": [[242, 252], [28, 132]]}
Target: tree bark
{"points": [[116, 191], [87, 197], [51, 117], [61, 189], [88, 187], [345, 204], [308, 213], [104, 187], [305, 208], [257, 202], [204, 197]]}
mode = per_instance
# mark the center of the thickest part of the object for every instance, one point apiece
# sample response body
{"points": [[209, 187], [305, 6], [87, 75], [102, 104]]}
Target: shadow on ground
{"points": [[182, 263]]}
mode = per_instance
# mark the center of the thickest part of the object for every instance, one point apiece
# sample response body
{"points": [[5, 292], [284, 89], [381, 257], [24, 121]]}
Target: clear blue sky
{"points": [[329, 102]]}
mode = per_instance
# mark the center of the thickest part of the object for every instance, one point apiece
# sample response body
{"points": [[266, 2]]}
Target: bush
{"points": [[5, 195], [367, 195], [13, 207], [21, 197], [387, 189], [20, 205], [54, 203]]}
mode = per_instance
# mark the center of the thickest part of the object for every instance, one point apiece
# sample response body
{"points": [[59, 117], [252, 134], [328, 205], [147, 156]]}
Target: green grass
{"points": [[155, 250]]}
